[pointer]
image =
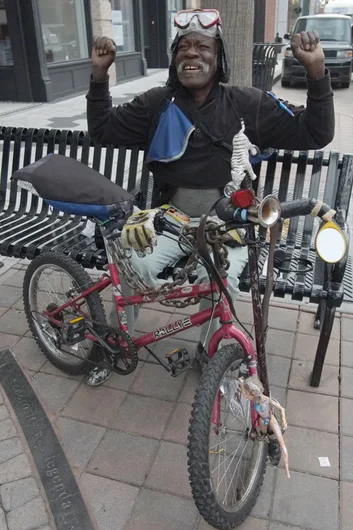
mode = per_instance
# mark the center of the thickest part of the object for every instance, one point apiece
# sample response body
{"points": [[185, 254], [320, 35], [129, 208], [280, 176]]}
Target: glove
{"points": [[139, 233]]}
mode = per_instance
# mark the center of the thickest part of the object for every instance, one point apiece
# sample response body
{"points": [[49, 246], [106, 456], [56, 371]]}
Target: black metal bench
{"points": [[28, 226]]}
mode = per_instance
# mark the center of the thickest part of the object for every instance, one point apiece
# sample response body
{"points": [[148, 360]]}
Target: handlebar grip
{"points": [[305, 207], [297, 207]]}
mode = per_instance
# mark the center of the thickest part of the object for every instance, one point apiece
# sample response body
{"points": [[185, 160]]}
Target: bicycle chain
{"points": [[130, 345], [117, 331], [214, 238]]}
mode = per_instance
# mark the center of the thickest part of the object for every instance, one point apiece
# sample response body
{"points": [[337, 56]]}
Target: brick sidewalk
{"points": [[22, 504], [126, 440]]}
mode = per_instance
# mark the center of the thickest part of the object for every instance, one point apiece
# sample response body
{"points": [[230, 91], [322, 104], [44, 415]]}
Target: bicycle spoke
{"points": [[228, 457], [219, 442], [230, 463], [231, 469], [50, 288], [235, 470]]}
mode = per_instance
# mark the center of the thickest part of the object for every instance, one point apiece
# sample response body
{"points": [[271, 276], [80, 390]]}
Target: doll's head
{"points": [[252, 387]]}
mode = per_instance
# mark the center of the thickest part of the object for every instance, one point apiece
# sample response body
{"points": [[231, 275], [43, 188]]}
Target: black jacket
{"points": [[205, 163]]}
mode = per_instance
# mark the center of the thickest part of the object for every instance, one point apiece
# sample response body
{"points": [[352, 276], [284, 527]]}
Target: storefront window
{"points": [[123, 25], [173, 7], [5, 44], [63, 29]]}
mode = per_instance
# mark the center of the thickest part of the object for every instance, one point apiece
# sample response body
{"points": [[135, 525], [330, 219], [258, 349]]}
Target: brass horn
{"points": [[266, 213]]}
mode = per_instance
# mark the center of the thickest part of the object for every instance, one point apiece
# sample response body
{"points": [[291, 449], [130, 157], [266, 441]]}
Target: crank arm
{"points": [[166, 366], [100, 341]]}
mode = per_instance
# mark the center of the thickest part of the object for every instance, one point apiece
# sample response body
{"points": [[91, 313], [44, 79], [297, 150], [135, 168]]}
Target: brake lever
{"points": [[159, 224]]}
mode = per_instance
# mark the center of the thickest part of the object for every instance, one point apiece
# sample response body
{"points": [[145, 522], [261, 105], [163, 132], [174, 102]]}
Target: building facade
{"points": [[44, 48], [45, 44]]}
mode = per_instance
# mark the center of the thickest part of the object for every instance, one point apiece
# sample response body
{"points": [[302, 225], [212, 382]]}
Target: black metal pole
{"points": [[259, 21], [140, 35]]}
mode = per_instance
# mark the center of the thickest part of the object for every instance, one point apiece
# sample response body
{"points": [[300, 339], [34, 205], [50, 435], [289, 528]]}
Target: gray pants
{"points": [[167, 252]]}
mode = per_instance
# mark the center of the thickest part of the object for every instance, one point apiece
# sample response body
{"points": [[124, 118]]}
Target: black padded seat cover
{"points": [[60, 178]]}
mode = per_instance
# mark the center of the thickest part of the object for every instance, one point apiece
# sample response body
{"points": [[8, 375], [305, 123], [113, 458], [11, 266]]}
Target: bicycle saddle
{"points": [[73, 187]]}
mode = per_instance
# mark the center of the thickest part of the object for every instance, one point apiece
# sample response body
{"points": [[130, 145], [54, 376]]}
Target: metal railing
{"points": [[264, 61]]}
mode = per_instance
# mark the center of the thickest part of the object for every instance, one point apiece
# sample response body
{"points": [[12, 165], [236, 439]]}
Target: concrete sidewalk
{"points": [[70, 113], [126, 441]]}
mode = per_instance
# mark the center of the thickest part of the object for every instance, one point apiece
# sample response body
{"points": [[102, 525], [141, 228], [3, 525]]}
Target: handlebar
{"points": [[265, 211], [304, 207]]}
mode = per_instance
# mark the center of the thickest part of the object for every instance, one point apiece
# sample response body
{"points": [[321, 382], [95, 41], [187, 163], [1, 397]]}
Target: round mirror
{"points": [[331, 244]]}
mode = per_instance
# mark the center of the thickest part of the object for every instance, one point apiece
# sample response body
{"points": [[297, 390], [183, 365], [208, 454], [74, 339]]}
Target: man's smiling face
{"points": [[196, 60]]}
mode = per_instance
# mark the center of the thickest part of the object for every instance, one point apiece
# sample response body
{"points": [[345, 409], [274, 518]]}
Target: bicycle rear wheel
{"points": [[48, 281], [226, 467]]}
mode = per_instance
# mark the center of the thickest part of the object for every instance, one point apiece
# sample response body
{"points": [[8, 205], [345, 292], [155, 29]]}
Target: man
{"points": [[203, 118]]}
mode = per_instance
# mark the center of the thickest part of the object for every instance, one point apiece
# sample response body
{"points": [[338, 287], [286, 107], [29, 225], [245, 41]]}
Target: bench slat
{"points": [[132, 182], [86, 144], [108, 164], [75, 140], [284, 281], [299, 282], [97, 155], [28, 226], [120, 170]]}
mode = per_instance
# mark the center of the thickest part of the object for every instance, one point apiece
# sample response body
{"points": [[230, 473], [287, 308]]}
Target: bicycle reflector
{"points": [[242, 198], [330, 243]]}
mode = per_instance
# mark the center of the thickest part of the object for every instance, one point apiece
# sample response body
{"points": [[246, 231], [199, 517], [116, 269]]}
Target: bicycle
{"points": [[229, 439]]}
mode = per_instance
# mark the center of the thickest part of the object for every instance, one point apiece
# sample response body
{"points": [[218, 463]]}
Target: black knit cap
{"points": [[223, 68]]}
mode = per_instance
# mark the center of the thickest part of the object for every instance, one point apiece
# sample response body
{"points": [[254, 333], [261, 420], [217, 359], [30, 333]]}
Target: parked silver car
{"points": [[336, 38]]}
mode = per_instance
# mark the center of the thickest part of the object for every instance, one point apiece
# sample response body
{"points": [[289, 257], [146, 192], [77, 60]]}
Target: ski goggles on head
{"points": [[207, 18]]}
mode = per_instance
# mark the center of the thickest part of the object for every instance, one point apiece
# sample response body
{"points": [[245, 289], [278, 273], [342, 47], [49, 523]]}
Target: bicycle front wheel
{"points": [[226, 467]]}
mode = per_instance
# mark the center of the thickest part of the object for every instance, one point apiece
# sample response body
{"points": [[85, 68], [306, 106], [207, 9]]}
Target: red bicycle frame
{"points": [[221, 311]]}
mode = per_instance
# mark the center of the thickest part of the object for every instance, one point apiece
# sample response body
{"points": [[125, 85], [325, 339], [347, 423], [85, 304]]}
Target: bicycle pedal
{"points": [[178, 360], [73, 330]]}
